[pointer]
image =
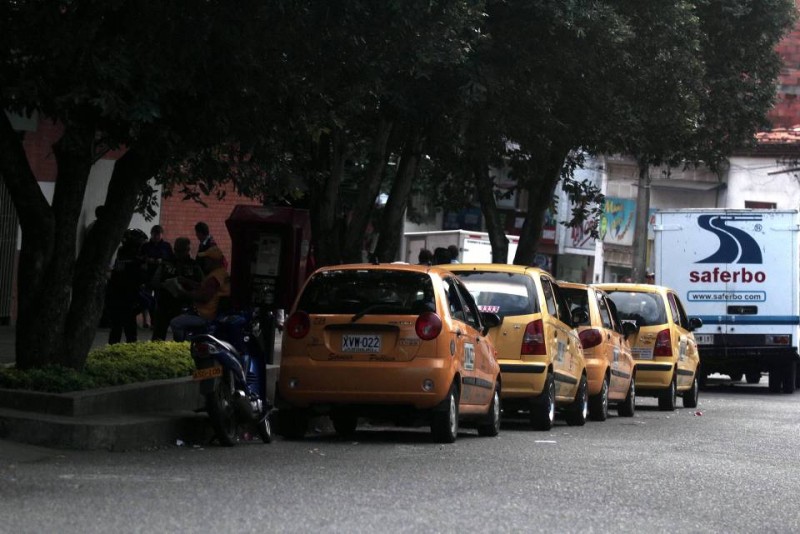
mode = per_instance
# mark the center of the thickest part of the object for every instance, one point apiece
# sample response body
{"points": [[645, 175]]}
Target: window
{"points": [[453, 300], [501, 293], [549, 297], [758, 205], [605, 315], [470, 308]]}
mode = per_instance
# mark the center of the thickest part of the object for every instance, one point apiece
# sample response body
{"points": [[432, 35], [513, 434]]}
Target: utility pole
{"points": [[640, 234]]}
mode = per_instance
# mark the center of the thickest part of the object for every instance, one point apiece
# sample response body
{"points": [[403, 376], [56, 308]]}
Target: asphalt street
{"points": [[729, 466]]}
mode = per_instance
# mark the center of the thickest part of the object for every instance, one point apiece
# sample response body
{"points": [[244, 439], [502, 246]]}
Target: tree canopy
{"points": [[352, 99]]}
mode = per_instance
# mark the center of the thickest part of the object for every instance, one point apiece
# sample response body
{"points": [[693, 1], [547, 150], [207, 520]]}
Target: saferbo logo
{"points": [[735, 246]]}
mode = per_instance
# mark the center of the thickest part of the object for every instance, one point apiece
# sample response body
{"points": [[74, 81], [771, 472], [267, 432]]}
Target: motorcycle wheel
{"points": [[264, 429], [219, 405]]}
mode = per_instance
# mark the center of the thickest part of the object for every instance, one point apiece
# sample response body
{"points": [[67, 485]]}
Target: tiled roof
{"points": [[779, 136]]}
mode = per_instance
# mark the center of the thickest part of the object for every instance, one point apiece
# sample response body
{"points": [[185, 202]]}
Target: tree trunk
{"points": [[640, 235], [546, 174], [131, 173], [368, 192], [324, 219], [395, 210], [485, 188]]}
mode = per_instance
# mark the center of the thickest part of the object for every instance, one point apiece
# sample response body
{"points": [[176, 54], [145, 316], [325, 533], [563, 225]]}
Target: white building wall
{"points": [[761, 180]]}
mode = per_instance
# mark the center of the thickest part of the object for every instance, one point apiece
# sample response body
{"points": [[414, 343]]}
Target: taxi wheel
{"points": [[344, 424], [579, 411], [264, 429], [492, 426], [775, 380], [628, 406], [292, 424], [690, 396], [444, 425], [543, 409], [667, 399], [598, 404], [736, 377]]}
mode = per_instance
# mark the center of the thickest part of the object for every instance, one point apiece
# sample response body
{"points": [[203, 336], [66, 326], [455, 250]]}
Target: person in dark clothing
{"points": [[170, 302], [204, 237], [155, 251], [126, 278], [425, 257], [441, 256]]}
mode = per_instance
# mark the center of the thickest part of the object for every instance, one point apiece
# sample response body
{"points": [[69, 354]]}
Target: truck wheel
{"points": [[753, 377], [628, 407], [667, 399], [789, 377], [344, 423], [736, 377], [543, 408], [690, 396], [579, 410], [598, 404], [775, 380]]}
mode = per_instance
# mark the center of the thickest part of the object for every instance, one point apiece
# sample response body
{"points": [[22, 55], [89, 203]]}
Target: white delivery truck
{"points": [[473, 247], [738, 270]]}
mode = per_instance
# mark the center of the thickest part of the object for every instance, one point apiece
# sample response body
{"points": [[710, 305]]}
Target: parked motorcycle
{"points": [[229, 358]]}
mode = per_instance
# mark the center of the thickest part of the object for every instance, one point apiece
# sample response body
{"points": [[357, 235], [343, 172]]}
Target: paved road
{"points": [[732, 469]]}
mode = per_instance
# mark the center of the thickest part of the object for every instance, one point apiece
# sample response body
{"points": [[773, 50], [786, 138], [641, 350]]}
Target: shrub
{"points": [[113, 365]]}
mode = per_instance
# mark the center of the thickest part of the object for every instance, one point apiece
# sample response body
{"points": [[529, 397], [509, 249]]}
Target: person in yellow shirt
{"points": [[206, 297]]}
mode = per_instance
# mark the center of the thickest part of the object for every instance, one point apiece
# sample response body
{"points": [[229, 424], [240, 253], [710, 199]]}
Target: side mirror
{"points": [[580, 316], [695, 323], [629, 328], [489, 321]]}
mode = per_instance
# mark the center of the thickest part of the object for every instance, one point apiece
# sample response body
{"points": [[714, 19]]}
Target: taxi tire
{"points": [[668, 398], [598, 404], [492, 426], [543, 408], [444, 423], [690, 395], [344, 424], [627, 408], [264, 429], [221, 411], [578, 412], [292, 424], [736, 377]]}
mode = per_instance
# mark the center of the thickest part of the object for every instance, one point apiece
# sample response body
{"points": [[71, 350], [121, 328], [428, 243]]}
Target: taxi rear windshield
{"points": [[501, 293], [644, 309], [368, 292]]}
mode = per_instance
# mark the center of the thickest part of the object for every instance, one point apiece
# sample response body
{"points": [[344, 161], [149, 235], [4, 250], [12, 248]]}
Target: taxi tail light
{"points": [[533, 339], [591, 337], [428, 326], [663, 344], [298, 325]]}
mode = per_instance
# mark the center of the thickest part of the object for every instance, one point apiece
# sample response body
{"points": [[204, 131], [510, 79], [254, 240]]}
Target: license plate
{"points": [[361, 343], [642, 354], [704, 339], [208, 372]]}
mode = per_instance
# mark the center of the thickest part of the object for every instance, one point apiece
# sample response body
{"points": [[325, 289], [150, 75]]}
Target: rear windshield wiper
{"points": [[374, 307]]}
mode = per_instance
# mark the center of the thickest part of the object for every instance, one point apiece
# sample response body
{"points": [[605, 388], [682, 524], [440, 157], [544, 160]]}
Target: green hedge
{"points": [[114, 365]]}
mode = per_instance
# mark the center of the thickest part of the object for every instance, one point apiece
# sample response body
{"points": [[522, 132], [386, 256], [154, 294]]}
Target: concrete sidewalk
{"points": [[134, 416]]}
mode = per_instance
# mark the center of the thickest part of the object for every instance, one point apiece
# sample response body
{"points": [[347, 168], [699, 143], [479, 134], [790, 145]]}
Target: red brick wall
{"points": [[786, 112], [178, 217]]}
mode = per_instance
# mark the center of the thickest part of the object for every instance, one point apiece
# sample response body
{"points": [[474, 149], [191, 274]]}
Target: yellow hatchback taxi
{"points": [[664, 348], [540, 355], [609, 364], [400, 342]]}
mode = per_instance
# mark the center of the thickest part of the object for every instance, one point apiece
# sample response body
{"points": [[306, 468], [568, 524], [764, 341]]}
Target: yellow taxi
{"points": [[609, 364], [396, 341], [663, 346], [540, 355]]}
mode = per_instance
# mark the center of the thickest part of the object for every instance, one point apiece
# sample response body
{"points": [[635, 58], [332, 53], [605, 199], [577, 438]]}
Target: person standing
{"points": [[126, 277], [453, 250], [166, 283], [425, 257], [155, 251], [204, 238]]}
